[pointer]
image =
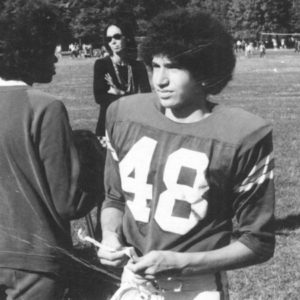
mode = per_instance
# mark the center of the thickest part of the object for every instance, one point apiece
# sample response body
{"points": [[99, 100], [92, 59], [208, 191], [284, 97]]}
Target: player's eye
{"points": [[155, 65], [173, 65]]}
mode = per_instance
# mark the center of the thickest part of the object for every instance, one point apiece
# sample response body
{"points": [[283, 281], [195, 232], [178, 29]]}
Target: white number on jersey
{"points": [[134, 170], [193, 195], [137, 162]]}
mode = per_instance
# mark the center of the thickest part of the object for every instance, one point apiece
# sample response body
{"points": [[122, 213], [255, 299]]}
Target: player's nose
{"points": [[161, 78]]}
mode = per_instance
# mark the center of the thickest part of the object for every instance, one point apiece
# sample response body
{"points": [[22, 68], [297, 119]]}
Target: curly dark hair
{"points": [[29, 33], [128, 30], [195, 41]]}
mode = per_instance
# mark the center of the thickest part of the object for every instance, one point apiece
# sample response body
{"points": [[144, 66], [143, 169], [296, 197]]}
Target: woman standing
{"points": [[119, 73]]}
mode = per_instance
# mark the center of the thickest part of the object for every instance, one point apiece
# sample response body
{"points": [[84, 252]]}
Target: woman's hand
{"points": [[112, 87], [109, 80], [115, 91]]}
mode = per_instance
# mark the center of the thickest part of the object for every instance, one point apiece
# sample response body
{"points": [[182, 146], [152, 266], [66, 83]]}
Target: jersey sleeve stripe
{"points": [[262, 164], [258, 181], [258, 174]]}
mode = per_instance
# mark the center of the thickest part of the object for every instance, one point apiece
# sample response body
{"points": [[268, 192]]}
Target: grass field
{"points": [[269, 87]]}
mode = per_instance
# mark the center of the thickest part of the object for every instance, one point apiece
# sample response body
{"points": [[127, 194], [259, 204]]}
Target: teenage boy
{"points": [[180, 167], [43, 184]]}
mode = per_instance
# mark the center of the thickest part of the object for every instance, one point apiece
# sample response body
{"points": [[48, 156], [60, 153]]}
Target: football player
{"points": [[49, 175], [180, 168]]}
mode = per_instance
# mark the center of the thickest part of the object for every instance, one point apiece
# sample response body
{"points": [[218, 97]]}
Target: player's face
{"points": [[175, 87], [115, 39]]}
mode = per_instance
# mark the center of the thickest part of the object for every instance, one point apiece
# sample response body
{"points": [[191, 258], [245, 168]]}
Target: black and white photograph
{"points": [[149, 149]]}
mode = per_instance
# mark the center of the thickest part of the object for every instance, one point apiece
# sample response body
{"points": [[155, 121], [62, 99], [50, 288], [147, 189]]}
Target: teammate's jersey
{"points": [[180, 185]]}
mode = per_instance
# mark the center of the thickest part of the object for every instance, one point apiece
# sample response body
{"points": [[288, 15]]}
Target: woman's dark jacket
{"points": [[104, 66]]}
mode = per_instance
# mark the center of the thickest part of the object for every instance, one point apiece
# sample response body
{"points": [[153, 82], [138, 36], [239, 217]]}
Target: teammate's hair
{"points": [[127, 28], [29, 29], [194, 41]]}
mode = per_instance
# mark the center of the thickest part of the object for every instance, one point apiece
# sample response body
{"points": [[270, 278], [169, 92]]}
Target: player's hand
{"points": [[113, 254], [156, 264], [128, 277]]}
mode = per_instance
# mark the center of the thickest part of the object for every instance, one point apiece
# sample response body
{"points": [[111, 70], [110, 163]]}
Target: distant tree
{"points": [[67, 15], [248, 18], [145, 10], [295, 16], [87, 20], [218, 8], [91, 16], [279, 15], [244, 18]]}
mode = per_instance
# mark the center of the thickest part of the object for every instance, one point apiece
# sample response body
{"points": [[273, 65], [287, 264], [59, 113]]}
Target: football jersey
{"points": [[180, 184]]}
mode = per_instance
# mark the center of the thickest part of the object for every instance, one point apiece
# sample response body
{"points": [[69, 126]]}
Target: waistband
{"points": [[199, 283]]}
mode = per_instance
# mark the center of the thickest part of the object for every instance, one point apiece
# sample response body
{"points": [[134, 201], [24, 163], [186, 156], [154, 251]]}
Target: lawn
{"points": [[269, 87]]}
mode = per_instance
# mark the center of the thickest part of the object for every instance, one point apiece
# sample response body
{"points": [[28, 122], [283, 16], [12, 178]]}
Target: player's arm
{"points": [[113, 205], [233, 256], [254, 195], [112, 210], [165, 263], [60, 163], [111, 217], [111, 222]]}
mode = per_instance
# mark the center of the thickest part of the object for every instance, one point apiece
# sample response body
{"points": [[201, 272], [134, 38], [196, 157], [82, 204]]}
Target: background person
{"points": [[189, 166], [119, 73], [262, 49], [43, 184]]}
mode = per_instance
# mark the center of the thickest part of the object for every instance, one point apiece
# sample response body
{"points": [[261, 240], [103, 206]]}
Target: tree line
{"points": [[245, 19]]}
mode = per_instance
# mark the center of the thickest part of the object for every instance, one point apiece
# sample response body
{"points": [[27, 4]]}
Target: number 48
{"points": [[138, 162]]}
